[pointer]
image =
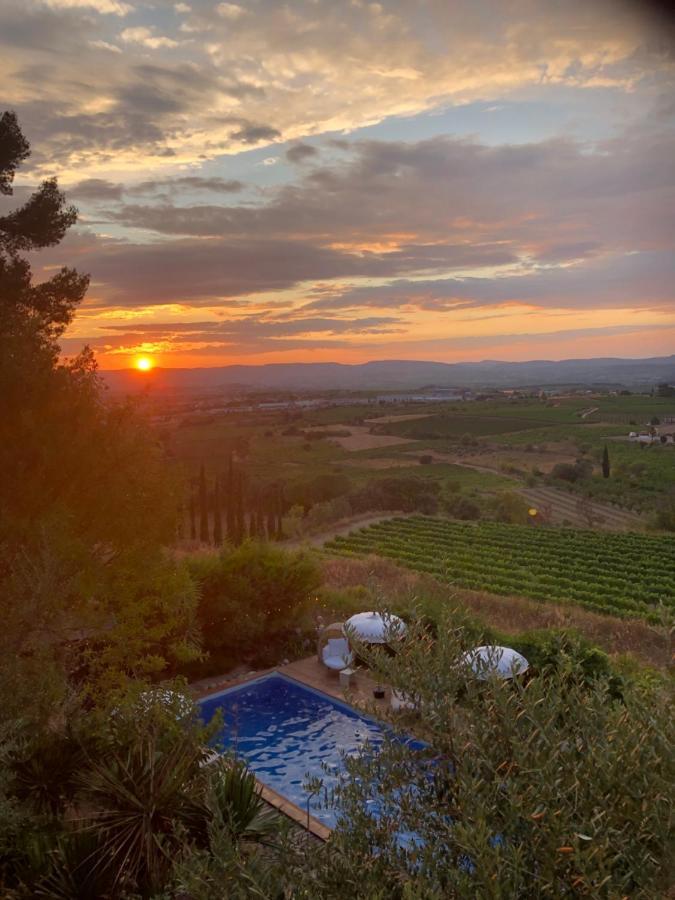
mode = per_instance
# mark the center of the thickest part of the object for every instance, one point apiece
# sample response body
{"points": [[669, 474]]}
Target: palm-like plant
{"points": [[147, 806], [235, 802], [72, 871], [45, 773]]}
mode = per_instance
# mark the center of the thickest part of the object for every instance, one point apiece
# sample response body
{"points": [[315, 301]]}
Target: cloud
{"points": [[298, 153], [95, 189], [100, 189], [147, 38], [106, 7], [440, 226], [306, 68], [104, 45], [230, 11], [548, 202], [255, 134], [610, 282]]}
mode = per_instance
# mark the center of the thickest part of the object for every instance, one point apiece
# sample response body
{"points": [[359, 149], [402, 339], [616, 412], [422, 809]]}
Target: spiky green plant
{"points": [[73, 870], [236, 804], [147, 805]]}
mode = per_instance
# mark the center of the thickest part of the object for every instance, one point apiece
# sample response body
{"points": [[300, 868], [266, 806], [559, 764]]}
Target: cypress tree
{"points": [[203, 508], [217, 515], [193, 518], [230, 507], [605, 463], [280, 513], [240, 514]]}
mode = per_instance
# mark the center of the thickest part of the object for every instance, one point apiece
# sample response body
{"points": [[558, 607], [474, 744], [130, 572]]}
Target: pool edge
{"points": [[274, 799]]}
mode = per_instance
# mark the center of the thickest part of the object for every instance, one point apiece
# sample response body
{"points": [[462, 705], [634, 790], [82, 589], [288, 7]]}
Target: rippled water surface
{"points": [[285, 732]]}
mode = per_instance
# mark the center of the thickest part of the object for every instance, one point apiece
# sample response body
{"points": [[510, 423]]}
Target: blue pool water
{"points": [[287, 732]]}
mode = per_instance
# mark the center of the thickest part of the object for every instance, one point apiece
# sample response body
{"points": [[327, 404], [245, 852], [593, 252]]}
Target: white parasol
{"points": [[494, 660], [375, 628]]}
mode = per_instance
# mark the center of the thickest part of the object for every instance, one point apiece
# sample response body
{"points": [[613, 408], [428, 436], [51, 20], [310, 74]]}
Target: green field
{"points": [[621, 574], [452, 424]]}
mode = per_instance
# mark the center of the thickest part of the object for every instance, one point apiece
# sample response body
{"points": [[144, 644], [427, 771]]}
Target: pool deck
{"points": [[311, 672]]}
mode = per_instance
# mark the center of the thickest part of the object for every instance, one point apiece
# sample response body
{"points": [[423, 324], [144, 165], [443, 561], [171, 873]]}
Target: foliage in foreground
{"points": [[131, 806], [550, 787]]}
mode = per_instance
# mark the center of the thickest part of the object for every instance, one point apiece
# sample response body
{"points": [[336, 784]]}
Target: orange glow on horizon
{"points": [[144, 363]]}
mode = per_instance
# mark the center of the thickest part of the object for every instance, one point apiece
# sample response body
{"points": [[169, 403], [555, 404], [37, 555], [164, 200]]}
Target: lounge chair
{"points": [[336, 654]]}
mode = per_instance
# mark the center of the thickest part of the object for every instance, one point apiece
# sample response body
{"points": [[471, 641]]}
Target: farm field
{"points": [[453, 424], [616, 573], [566, 509]]}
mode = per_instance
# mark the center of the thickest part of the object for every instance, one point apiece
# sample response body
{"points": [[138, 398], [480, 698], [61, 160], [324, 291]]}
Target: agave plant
{"points": [[236, 804], [72, 872], [147, 806], [44, 774]]}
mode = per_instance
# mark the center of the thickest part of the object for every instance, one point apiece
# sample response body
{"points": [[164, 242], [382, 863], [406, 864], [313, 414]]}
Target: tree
{"points": [[502, 801], [203, 507], [230, 511], [32, 316], [605, 462], [217, 515], [251, 593], [511, 507], [239, 507], [193, 519], [86, 503]]}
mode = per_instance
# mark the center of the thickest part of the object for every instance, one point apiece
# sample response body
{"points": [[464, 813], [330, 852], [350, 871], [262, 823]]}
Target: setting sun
{"points": [[144, 363]]}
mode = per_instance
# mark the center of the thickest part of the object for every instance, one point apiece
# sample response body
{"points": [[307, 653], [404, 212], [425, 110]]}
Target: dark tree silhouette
{"points": [[203, 508], [32, 316], [193, 519], [217, 515], [605, 463], [230, 511], [239, 509]]}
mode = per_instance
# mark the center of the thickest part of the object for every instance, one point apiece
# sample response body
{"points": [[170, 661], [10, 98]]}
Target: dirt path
{"points": [[318, 538]]}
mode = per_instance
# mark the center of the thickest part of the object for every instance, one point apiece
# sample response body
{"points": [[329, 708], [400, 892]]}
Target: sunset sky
{"points": [[342, 180]]}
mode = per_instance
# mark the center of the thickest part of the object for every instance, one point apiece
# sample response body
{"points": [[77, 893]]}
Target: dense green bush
{"points": [[405, 493], [541, 788], [460, 507], [510, 507], [250, 596]]}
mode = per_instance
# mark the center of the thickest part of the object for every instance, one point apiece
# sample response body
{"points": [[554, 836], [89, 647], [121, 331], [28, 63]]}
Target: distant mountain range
{"points": [[404, 375]]}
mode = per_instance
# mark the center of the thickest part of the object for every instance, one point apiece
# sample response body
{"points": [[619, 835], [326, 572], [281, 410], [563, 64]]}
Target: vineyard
{"points": [[621, 574]]}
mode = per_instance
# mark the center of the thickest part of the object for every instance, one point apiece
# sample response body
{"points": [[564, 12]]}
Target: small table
{"points": [[346, 676]]}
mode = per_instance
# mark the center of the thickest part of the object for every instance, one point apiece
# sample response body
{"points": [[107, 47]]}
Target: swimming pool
{"points": [[287, 732]]}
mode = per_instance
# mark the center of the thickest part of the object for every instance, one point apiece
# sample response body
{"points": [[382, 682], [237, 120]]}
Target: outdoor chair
{"points": [[336, 654]]}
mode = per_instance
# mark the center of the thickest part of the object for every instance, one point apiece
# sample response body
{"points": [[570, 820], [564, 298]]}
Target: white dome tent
{"points": [[494, 660], [375, 628]]}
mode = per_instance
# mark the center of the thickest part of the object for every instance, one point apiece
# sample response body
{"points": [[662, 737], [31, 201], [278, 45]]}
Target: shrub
{"points": [[250, 594], [510, 507], [327, 512], [460, 507], [572, 471], [406, 493], [531, 789]]}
